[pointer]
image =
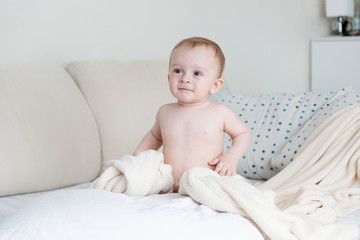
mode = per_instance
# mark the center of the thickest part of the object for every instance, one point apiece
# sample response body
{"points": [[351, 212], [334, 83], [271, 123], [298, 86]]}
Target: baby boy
{"points": [[191, 130]]}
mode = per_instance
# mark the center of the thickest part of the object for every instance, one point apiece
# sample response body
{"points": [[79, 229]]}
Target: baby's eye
{"points": [[197, 73], [177, 71]]}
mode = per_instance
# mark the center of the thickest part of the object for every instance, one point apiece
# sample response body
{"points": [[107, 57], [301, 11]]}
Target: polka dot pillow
{"points": [[343, 98], [274, 120]]}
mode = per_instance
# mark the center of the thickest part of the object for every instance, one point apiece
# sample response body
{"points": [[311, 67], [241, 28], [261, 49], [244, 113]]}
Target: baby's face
{"points": [[192, 74]]}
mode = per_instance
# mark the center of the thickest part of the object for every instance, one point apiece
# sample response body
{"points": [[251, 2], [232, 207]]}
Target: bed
{"points": [[155, 216], [54, 147], [80, 213]]}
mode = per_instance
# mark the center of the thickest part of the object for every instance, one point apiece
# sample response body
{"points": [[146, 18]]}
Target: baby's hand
{"points": [[225, 166]]}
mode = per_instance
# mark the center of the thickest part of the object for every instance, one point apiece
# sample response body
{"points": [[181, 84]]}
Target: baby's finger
{"points": [[223, 171], [230, 173], [214, 162], [218, 168]]}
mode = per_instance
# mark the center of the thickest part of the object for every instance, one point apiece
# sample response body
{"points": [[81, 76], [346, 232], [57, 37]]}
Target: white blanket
{"points": [[301, 202], [235, 195], [142, 175]]}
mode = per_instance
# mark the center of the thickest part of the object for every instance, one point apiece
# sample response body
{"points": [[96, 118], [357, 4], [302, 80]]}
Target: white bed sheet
{"points": [[153, 216], [9, 204], [82, 213]]}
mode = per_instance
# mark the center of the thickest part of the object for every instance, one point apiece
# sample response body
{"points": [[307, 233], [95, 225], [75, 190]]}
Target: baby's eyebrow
{"points": [[200, 68], [174, 66]]}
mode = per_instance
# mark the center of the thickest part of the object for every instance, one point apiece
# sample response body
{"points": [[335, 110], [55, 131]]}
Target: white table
{"points": [[335, 63]]}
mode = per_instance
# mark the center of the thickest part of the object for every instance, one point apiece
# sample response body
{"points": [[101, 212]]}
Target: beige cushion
{"points": [[124, 97], [48, 136]]}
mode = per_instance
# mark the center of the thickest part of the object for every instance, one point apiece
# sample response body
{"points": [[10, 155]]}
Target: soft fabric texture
{"points": [[279, 124], [124, 97], [236, 195], [329, 162], [321, 184], [139, 175], [48, 135], [88, 214]]}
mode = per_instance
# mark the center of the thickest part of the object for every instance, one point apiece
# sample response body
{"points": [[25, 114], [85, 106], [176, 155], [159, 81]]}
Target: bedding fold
{"points": [[326, 169], [235, 195], [139, 175]]}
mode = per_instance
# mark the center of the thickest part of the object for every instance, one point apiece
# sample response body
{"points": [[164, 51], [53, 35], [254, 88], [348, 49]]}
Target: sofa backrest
{"points": [[48, 136], [124, 97]]}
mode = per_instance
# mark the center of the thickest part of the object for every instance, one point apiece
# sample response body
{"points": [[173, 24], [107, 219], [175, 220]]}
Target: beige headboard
{"points": [[48, 136], [124, 97]]}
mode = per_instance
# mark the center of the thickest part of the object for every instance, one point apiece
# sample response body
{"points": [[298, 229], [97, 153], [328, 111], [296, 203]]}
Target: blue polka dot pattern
{"points": [[279, 124], [343, 98]]}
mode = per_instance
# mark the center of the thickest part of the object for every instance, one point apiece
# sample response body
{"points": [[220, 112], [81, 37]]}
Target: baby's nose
{"points": [[185, 79]]}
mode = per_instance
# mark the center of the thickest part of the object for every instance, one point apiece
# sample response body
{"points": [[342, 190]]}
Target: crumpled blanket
{"points": [[142, 175], [301, 202], [236, 195], [304, 199]]}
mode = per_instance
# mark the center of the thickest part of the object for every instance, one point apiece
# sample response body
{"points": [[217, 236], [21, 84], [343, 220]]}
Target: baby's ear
{"points": [[217, 85]]}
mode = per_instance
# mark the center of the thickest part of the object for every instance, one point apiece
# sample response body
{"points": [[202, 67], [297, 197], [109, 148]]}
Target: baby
{"points": [[191, 130]]}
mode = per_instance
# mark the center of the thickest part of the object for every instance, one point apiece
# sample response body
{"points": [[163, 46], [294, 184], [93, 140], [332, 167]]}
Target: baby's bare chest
{"points": [[196, 126]]}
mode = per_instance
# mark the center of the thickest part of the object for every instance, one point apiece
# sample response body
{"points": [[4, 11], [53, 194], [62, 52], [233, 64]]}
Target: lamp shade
{"points": [[337, 8]]}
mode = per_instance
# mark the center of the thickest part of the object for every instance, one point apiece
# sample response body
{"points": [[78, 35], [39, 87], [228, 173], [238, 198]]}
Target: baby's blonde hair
{"points": [[199, 41]]}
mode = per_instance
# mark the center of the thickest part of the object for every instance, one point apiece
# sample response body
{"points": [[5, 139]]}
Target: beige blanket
{"points": [[301, 202], [142, 175]]}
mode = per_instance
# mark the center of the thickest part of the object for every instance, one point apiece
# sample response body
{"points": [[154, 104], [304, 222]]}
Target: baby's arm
{"points": [[226, 164], [152, 139]]}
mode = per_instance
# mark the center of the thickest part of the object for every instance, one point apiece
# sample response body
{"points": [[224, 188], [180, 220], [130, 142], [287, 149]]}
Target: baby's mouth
{"points": [[184, 89]]}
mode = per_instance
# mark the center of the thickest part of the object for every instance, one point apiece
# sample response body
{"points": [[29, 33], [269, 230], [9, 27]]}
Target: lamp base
{"points": [[343, 27]]}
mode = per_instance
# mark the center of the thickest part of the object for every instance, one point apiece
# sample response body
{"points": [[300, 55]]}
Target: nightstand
{"points": [[335, 63]]}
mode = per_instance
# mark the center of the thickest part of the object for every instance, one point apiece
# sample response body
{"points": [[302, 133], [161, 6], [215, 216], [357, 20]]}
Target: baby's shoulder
{"points": [[220, 107], [166, 108], [223, 111]]}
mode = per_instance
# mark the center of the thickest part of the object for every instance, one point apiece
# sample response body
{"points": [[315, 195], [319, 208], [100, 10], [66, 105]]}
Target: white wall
{"points": [[266, 43]]}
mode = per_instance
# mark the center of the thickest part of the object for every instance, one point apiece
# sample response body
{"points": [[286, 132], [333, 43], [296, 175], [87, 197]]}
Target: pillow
{"points": [[124, 97], [49, 137], [273, 120], [343, 98]]}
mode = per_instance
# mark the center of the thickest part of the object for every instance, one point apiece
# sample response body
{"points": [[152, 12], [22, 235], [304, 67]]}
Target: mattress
{"points": [[82, 213], [9, 205], [65, 213]]}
